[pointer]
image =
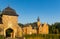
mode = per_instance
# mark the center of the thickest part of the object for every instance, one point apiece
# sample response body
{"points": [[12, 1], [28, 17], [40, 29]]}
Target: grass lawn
{"points": [[1, 37], [39, 36], [43, 36]]}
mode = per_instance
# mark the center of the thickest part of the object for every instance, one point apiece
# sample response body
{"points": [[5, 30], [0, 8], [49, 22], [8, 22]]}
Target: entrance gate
{"points": [[9, 32]]}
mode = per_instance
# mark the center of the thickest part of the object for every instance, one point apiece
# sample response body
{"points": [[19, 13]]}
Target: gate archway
{"points": [[9, 32]]}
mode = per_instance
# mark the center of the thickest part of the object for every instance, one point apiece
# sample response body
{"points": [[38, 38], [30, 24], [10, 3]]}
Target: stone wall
{"points": [[11, 22]]}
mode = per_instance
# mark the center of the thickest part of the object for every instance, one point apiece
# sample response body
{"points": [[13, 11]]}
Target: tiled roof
{"points": [[9, 11]]}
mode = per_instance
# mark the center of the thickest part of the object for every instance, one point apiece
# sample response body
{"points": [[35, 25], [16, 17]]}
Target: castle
{"points": [[36, 28], [9, 25]]}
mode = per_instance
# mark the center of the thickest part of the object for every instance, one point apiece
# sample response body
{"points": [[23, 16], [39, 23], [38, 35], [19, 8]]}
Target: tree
{"points": [[55, 28], [21, 25]]}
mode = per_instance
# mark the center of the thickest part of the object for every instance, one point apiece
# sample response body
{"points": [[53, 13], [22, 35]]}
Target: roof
{"points": [[38, 19], [0, 19], [33, 25], [9, 11]]}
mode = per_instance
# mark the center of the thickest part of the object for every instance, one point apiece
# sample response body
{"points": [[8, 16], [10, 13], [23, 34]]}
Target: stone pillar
{"points": [[4, 33], [14, 35], [11, 35]]}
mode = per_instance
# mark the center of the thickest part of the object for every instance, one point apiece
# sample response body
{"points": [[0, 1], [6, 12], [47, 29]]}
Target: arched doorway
{"points": [[9, 32]]}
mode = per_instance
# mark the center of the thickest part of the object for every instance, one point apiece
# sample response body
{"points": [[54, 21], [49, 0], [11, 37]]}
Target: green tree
{"points": [[21, 25]]}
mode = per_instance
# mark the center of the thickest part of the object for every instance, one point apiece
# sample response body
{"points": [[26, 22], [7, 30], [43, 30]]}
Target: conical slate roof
{"points": [[9, 11]]}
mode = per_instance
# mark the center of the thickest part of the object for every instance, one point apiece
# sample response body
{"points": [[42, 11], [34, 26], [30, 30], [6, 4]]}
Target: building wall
{"points": [[42, 29], [11, 22], [38, 23], [45, 29], [9, 19], [1, 29], [34, 31], [27, 30]]}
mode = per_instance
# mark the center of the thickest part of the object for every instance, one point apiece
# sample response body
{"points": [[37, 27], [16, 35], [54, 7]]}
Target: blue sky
{"points": [[29, 10]]}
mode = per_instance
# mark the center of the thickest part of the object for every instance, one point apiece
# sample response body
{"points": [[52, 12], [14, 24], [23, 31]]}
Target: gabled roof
{"points": [[9, 11]]}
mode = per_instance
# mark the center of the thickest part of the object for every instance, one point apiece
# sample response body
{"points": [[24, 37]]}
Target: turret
{"points": [[9, 16], [38, 22]]}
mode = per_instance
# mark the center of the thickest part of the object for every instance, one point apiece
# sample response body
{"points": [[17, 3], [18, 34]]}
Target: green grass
{"points": [[39, 36], [43, 36], [1, 37]]}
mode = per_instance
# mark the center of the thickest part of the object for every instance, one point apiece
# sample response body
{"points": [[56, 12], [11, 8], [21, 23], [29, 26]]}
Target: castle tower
{"points": [[10, 22], [39, 25], [38, 22], [9, 15]]}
